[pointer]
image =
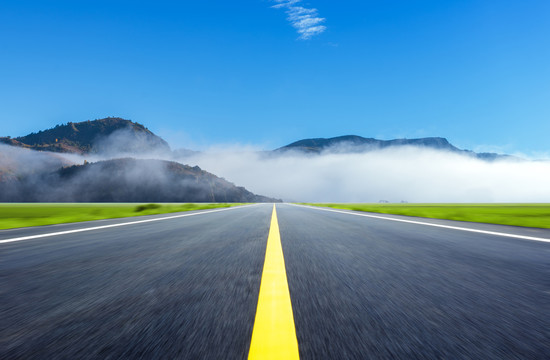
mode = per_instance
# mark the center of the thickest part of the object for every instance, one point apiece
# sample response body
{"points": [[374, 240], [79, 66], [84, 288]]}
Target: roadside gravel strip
{"points": [[31, 237], [460, 228]]}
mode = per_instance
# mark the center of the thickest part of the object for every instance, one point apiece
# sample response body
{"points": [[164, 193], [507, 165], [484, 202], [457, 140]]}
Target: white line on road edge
{"points": [[30, 237], [429, 224]]}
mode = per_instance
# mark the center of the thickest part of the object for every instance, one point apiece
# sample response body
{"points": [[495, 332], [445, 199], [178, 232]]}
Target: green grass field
{"points": [[34, 214], [528, 215]]}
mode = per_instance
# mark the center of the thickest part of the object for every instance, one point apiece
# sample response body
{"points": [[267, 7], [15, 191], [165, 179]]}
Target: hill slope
{"points": [[126, 180], [92, 137]]}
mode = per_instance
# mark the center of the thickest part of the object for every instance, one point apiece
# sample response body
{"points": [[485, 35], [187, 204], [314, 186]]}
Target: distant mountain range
{"points": [[358, 144], [49, 175], [124, 136]]}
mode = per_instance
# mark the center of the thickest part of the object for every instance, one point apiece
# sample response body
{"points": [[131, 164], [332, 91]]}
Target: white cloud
{"points": [[307, 22]]}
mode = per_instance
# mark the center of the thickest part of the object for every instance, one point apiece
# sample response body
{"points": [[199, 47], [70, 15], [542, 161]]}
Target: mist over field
{"points": [[337, 174], [409, 174]]}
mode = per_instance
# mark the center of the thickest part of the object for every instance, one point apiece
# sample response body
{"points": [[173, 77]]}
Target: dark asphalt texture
{"points": [[361, 288], [184, 288], [366, 288]]}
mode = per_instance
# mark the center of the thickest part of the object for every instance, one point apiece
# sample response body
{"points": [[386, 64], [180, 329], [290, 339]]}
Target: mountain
{"points": [[357, 144], [116, 136], [126, 180], [105, 135], [50, 174]]}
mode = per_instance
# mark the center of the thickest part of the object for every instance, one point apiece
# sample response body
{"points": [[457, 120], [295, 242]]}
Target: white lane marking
{"points": [[430, 224], [30, 237]]}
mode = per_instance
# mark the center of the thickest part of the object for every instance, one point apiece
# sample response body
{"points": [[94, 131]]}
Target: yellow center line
{"points": [[274, 333]]}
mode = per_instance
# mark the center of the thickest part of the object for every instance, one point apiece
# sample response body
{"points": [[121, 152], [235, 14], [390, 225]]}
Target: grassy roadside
{"points": [[15, 215], [528, 215]]}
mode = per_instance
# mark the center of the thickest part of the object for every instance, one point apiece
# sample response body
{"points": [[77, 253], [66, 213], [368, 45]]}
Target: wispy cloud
{"points": [[306, 21]]}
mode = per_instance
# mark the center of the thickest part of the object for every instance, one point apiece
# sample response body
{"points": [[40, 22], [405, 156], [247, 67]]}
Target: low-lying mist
{"points": [[115, 180], [411, 174], [408, 174], [16, 161]]}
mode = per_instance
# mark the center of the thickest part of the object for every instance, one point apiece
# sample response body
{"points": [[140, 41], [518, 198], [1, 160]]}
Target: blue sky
{"points": [[207, 72]]}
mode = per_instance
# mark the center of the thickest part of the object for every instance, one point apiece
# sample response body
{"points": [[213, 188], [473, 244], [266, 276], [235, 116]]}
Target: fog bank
{"points": [[410, 174], [396, 174]]}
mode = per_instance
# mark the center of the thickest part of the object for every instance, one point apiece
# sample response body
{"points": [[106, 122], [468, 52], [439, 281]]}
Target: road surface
{"points": [[360, 287]]}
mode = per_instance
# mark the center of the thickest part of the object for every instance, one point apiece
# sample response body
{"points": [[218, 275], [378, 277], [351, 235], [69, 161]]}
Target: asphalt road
{"points": [[360, 288]]}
